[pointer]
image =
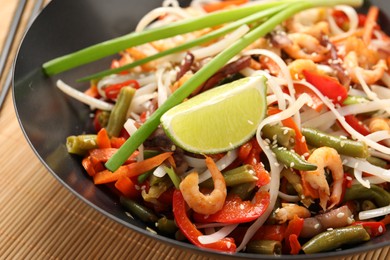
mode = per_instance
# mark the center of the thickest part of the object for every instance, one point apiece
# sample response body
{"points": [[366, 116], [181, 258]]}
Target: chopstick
{"points": [[10, 40]]}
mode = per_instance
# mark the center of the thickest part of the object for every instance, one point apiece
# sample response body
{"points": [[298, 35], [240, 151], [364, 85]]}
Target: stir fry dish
{"points": [[244, 126]]}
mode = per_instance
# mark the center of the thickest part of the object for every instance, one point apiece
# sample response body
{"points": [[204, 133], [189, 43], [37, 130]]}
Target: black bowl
{"points": [[47, 117]]}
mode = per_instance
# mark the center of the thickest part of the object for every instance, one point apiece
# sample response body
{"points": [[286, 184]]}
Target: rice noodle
{"points": [[364, 166], [276, 168], [84, 98], [131, 129], [386, 79], [353, 21], [156, 13], [222, 163], [216, 236], [370, 179], [289, 198], [284, 70], [370, 94], [359, 177], [374, 213], [195, 162], [219, 46], [381, 92]]}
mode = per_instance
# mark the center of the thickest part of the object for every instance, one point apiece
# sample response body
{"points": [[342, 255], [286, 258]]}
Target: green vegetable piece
{"points": [[377, 161], [81, 144], [351, 100], [173, 176], [138, 210], [244, 190], [292, 159], [196, 42], [333, 239], [119, 112], [358, 192], [113, 46], [167, 226], [343, 146], [284, 136], [266, 247], [367, 205], [236, 176]]}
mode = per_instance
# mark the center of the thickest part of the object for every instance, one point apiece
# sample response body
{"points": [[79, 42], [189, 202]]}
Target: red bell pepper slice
{"points": [[191, 232], [237, 211], [357, 124], [112, 91], [374, 228], [328, 86], [250, 154], [293, 231]]}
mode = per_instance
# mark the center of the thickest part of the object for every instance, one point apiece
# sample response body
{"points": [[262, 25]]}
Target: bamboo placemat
{"points": [[41, 219]]}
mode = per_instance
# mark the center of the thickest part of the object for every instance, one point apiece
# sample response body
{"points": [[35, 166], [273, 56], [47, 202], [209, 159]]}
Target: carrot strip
{"points": [[102, 139], [131, 170], [370, 24], [126, 187], [212, 7]]}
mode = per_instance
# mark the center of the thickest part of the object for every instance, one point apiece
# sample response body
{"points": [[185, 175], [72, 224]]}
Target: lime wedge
{"points": [[219, 119]]}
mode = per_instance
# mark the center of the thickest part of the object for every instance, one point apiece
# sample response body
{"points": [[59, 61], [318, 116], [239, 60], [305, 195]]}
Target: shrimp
{"points": [[379, 124], [315, 181], [370, 76], [363, 60], [199, 202], [289, 210], [311, 22], [305, 46]]}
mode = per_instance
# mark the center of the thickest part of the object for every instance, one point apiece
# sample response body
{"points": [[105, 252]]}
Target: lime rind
{"points": [[219, 119]]}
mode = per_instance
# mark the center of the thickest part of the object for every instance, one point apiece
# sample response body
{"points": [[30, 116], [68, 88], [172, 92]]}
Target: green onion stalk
{"points": [[208, 70]]}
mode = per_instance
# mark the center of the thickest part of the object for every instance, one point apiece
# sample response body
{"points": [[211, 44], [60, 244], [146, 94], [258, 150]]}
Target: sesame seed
{"points": [[329, 229], [242, 206], [380, 229], [303, 139], [340, 214], [317, 226], [292, 164], [356, 165], [274, 137], [349, 178], [173, 147], [250, 122], [285, 132], [342, 143], [277, 164]]}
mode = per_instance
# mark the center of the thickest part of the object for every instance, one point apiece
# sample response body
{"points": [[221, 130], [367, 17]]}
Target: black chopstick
{"points": [[34, 13]]}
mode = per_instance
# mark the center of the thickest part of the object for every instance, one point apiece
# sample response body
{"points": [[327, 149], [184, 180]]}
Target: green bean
{"points": [[244, 190], [236, 176], [119, 112], [167, 226], [80, 144], [292, 159], [284, 136], [333, 239], [266, 247], [343, 146], [377, 161], [358, 192], [103, 118], [367, 205], [138, 210]]}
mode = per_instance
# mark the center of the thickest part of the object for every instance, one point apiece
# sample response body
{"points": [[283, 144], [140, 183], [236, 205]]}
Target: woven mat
{"points": [[40, 219]]}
